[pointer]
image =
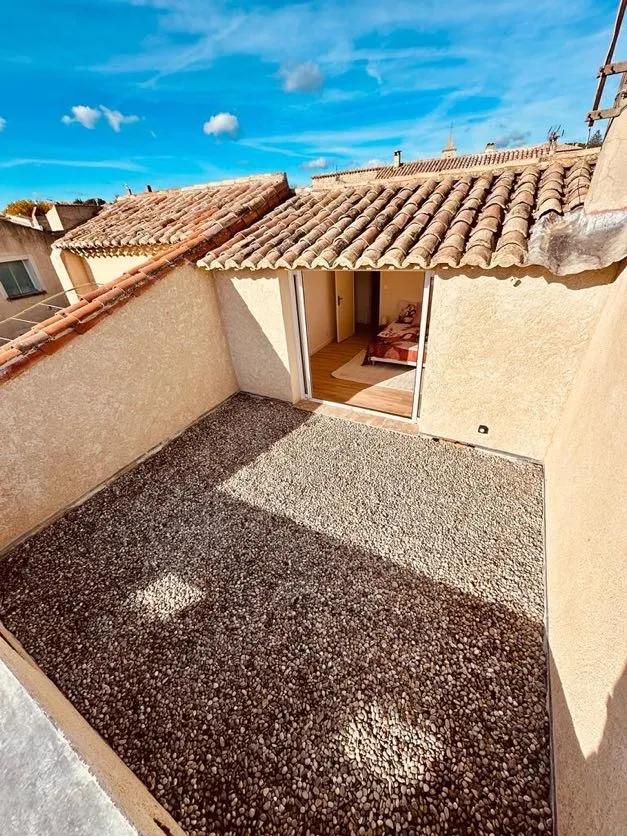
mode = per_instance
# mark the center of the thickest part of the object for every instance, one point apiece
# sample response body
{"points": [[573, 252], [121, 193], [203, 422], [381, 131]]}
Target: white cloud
{"points": [[117, 119], [84, 115], [120, 165], [375, 163], [3, 124], [319, 162], [222, 124], [373, 71], [89, 116], [302, 78]]}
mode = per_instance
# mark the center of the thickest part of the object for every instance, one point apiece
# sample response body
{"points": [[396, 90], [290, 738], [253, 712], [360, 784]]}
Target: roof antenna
{"points": [[128, 188], [552, 137]]}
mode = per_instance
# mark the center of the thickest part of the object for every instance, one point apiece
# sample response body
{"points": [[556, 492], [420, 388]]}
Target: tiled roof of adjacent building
{"points": [[155, 220], [480, 219], [234, 205], [497, 158]]}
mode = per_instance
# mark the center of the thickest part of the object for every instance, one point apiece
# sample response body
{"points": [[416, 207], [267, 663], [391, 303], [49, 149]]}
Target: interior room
{"points": [[363, 331]]}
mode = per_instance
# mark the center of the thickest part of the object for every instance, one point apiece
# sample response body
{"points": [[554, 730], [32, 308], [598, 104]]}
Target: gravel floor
{"points": [[286, 623]]}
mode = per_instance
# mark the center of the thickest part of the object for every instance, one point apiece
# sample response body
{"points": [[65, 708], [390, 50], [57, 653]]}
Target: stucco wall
{"points": [[105, 268], [586, 549], [64, 216], [608, 189], [257, 314], [396, 286], [141, 375], [319, 288], [17, 242], [502, 351]]}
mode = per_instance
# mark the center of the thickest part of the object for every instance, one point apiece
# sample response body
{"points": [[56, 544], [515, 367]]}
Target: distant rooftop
{"points": [[491, 158]]}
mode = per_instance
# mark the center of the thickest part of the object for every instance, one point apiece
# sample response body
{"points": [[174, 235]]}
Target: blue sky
{"points": [[100, 93]]}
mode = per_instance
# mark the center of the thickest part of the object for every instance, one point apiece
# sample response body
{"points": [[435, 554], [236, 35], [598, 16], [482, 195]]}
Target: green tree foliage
{"points": [[91, 201], [596, 139], [24, 207]]}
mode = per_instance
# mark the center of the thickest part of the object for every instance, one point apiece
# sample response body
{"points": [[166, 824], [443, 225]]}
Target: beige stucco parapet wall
{"points": [[503, 349], [257, 311], [586, 554], [74, 419]]}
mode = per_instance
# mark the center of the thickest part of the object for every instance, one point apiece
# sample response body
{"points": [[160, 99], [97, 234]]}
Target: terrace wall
{"points": [[503, 350], [586, 552], [258, 316], [75, 418]]}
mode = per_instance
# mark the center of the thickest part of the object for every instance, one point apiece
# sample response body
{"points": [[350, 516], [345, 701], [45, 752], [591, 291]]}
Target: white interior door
{"points": [[344, 304]]}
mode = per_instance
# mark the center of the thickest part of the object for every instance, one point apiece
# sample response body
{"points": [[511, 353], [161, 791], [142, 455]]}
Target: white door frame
{"points": [[420, 356], [299, 316]]}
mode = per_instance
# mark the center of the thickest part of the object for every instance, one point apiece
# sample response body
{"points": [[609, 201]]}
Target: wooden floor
{"points": [[328, 388]]}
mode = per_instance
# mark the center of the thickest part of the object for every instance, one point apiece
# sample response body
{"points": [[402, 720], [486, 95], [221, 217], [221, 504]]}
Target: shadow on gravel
{"points": [[262, 677]]}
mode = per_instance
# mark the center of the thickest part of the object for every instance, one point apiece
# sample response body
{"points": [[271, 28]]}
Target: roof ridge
{"points": [[277, 176], [484, 158]]}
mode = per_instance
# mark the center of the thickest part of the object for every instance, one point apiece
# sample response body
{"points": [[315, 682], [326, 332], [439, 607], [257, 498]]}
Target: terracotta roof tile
{"points": [[238, 204], [481, 219], [502, 157], [157, 220]]}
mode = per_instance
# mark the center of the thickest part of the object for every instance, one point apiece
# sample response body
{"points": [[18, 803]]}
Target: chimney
{"points": [[397, 159], [148, 188], [490, 148], [449, 149]]}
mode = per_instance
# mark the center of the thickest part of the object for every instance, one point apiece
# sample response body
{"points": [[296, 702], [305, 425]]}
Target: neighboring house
{"points": [[27, 273], [134, 228]]}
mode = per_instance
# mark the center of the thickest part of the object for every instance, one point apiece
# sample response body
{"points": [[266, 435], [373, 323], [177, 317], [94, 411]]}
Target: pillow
{"points": [[407, 312]]}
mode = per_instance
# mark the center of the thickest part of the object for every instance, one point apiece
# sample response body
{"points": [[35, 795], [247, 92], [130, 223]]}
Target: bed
{"points": [[398, 341]]}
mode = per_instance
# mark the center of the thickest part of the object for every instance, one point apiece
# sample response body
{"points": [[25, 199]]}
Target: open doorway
{"points": [[363, 337]]}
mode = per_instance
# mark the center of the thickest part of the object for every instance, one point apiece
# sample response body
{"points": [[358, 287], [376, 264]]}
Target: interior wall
{"points": [[502, 352], [363, 291], [319, 288], [258, 319], [586, 550], [73, 419], [397, 285]]}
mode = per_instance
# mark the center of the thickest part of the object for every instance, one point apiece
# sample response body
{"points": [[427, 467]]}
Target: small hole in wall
{"points": [[482, 429]]}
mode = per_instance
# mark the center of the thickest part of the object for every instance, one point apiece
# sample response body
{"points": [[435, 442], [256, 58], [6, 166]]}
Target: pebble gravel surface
{"points": [[286, 623]]}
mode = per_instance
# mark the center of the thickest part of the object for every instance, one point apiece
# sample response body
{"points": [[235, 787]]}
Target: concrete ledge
{"points": [[57, 775]]}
